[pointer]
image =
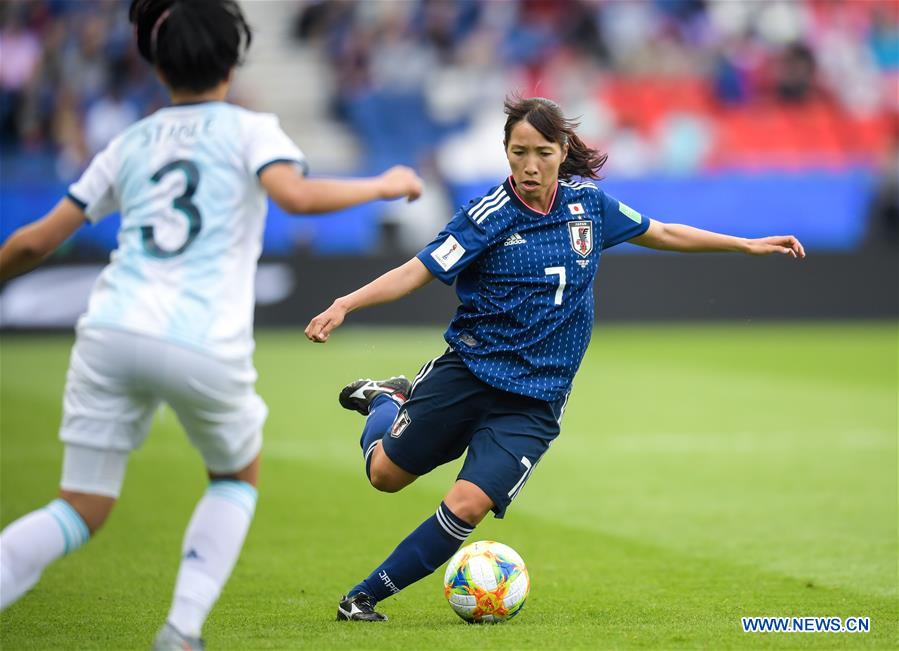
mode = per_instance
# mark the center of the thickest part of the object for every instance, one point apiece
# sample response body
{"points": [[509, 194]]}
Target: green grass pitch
{"points": [[703, 473]]}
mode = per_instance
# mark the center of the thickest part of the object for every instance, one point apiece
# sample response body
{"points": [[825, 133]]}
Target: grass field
{"points": [[703, 473]]}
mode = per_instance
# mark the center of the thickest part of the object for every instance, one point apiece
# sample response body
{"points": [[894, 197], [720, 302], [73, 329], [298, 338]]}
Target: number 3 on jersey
{"points": [[560, 272], [181, 203]]}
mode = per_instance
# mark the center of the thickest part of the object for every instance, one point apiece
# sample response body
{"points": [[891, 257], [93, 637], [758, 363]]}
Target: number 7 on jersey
{"points": [[560, 272]]}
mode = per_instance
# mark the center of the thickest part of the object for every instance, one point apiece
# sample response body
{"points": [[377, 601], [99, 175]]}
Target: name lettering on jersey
{"points": [[515, 239], [576, 209], [581, 237], [448, 253], [181, 132]]}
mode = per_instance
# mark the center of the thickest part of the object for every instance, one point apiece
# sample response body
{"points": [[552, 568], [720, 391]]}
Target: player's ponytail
{"points": [[547, 118], [194, 43]]}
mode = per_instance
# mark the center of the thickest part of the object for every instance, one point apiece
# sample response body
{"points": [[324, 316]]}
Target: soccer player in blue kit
{"points": [[523, 258]]}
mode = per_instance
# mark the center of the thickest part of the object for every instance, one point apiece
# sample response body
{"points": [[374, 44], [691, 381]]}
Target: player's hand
{"points": [[783, 244], [319, 329], [400, 181]]}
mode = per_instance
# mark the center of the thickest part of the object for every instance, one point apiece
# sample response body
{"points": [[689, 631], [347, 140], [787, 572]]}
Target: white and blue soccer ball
{"points": [[486, 581]]}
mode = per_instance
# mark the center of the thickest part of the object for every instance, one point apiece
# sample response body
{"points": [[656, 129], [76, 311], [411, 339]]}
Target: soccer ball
{"points": [[486, 581]]}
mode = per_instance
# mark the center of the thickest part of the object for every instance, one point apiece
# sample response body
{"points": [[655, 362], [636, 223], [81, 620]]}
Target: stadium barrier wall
{"points": [[661, 287], [638, 287], [667, 287]]}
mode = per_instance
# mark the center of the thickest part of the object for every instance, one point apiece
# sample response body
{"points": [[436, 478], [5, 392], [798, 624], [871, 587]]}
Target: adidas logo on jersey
{"points": [[515, 239]]}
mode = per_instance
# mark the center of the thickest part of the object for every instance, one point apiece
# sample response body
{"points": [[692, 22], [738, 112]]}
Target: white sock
{"points": [[32, 542], [212, 544]]}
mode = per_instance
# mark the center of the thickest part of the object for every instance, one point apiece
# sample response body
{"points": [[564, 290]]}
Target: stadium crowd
{"points": [[666, 87], [70, 79], [677, 85]]}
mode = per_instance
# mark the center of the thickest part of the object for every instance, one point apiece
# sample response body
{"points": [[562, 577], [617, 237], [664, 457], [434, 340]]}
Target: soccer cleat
{"points": [[170, 639], [359, 395], [358, 608]]}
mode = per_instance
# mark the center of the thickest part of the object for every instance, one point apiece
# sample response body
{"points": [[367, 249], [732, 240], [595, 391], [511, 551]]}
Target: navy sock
{"points": [[381, 414], [422, 552]]}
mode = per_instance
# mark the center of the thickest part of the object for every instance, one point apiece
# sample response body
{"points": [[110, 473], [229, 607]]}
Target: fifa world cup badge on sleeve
{"points": [[448, 253], [581, 237]]}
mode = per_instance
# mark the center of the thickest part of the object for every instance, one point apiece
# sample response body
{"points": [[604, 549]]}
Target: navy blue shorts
{"points": [[450, 410]]}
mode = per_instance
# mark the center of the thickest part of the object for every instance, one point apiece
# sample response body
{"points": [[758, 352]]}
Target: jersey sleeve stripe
{"points": [[304, 166], [78, 202], [493, 209], [486, 199], [579, 185], [479, 214]]}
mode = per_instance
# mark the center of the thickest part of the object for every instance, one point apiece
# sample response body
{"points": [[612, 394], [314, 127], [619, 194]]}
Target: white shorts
{"points": [[117, 379]]}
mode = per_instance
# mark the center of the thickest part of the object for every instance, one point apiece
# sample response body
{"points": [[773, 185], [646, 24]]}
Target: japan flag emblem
{"points": [[581, 237], [576, 209]]}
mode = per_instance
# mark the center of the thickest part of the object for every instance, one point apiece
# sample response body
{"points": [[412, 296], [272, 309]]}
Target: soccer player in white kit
{"points": [[170, 319]]}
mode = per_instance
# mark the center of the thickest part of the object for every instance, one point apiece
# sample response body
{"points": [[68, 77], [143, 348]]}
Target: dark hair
{"points": [[194, 43], [547, 118]]}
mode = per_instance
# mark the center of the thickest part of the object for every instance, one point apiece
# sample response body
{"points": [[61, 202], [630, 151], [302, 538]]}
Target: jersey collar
{"points": [[199, 102], [509, 185]]}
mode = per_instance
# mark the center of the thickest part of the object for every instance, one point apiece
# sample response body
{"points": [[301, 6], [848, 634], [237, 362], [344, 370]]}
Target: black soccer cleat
{"points": [[358, 395], [358, 608]]}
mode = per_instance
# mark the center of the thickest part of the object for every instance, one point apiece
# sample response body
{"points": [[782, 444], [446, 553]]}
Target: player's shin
{"points": [[381, 415], [212, 543], [423, 551], [32, 542]]}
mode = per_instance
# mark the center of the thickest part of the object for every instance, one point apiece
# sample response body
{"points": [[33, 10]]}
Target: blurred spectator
{"points": [[884, 210], [110, 114], [884, 37], [70, 78], [20, 55], [794, 74]]}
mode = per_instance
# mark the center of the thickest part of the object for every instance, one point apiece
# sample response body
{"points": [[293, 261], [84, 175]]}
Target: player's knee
{"points": [[468, 502], [93, 509], [248, 474], [383, 480], [472, 512], [385, 475]]}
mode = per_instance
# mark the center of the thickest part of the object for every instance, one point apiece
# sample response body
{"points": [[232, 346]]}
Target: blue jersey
{"points": [[525, 282]]}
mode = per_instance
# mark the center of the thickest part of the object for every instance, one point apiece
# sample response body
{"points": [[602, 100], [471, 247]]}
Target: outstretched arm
{"points": [[298, 195], [393, 285], [31, 244], [677, 237]]}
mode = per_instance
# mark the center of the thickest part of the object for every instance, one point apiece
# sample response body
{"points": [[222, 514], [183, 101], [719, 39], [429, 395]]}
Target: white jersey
{"points": [[185, 181]]}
